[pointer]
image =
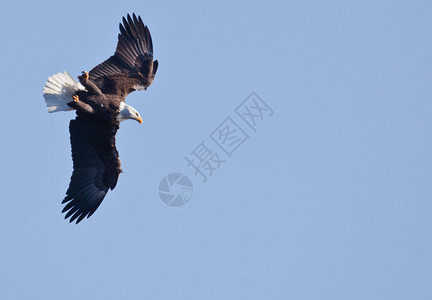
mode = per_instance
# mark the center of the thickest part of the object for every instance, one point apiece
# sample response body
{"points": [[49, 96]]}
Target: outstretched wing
{"points": [[131, 67], [96, 167]]}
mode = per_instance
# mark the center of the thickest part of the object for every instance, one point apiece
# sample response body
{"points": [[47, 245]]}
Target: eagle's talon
{"points": [[84, 76], [75, 98]]}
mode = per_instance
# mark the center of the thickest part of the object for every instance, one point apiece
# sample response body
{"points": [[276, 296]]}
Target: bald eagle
{"points": [[99, 101]]}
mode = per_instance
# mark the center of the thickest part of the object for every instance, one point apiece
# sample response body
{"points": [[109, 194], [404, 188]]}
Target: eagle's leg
{"points": [[89, 85], [79, 105]]}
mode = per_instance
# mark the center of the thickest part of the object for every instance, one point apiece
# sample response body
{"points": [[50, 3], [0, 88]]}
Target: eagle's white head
{"points": [[128, 112]]}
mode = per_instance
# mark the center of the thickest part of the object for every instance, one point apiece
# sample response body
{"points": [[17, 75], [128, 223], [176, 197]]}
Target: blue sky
{"points": [[330, 198]]}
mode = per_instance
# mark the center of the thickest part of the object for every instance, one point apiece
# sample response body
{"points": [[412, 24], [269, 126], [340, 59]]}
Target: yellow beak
{"points": [[140, 120]]}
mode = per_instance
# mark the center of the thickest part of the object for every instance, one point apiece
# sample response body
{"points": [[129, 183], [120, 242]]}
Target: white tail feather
{"points": [[58, 91]]}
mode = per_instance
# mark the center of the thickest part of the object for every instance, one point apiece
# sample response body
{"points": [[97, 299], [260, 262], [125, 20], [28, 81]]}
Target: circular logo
{"points": [[175, 189]]}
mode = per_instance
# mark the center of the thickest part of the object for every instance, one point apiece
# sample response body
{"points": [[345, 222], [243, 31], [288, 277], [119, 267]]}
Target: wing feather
{"points": [[132, 63], [89, 185]]}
